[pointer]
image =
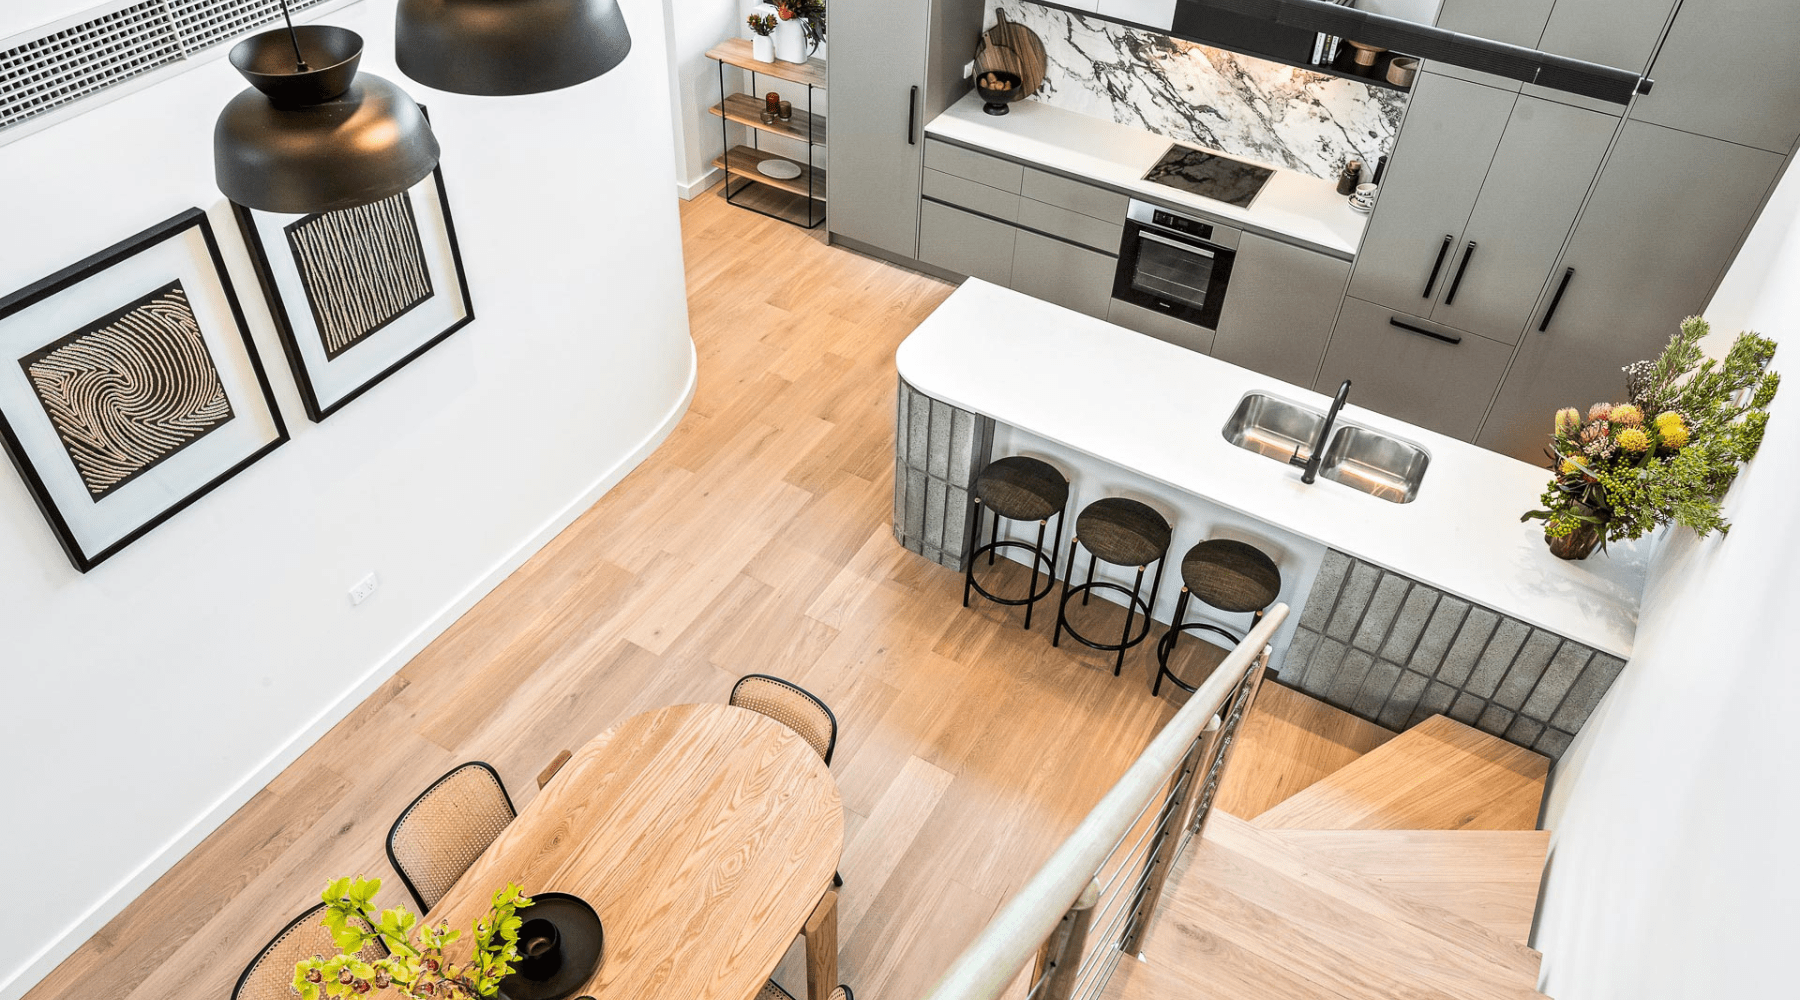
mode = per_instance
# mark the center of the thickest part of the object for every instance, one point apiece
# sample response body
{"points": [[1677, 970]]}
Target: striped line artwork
{"points": [[362, 269], [130, 389]]}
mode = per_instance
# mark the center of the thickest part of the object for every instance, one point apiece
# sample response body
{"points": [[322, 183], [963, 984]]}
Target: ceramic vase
{"points": [[790, 40], [1578, 544], [762, 48]]}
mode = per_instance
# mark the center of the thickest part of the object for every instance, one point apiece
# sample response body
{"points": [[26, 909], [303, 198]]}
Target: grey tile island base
{"points": [[1443, 605]]}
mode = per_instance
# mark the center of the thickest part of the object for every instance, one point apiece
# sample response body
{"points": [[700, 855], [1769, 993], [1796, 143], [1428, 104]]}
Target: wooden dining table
{"points": [[706, 838]]}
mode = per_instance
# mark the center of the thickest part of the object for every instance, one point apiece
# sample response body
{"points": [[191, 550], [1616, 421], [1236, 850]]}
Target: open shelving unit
{"points": [[799, 200]]}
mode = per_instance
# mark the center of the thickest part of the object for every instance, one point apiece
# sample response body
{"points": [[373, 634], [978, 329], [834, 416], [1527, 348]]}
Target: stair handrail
{"points": [[990, 963]]}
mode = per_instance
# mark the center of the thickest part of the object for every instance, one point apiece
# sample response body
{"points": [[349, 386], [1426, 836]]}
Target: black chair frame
{"points": [[1041, 559], [389, 843], [831, 746]]}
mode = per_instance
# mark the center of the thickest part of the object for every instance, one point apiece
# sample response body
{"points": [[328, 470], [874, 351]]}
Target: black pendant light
{"points": [[313, 135], [503, 48]]}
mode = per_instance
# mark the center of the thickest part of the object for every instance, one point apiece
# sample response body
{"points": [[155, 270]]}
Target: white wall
{"points": [[1673, 871], [148, 699]]}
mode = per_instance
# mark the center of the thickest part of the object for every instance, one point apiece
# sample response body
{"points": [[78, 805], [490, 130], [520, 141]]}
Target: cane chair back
{"points": [[270, 975], [446, 828], [772, 991], [790, 705]]}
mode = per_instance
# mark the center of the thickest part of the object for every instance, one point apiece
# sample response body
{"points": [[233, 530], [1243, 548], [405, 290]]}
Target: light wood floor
{"points": [[756, 539]]}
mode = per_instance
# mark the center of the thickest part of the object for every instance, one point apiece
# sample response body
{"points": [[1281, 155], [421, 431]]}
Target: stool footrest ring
{"points": [[1166, 645], [1040, 555], [1138, 606]]}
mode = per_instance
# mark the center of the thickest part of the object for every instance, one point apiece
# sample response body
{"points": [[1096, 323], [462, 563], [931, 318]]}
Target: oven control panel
{"points": [[1182, 224]]}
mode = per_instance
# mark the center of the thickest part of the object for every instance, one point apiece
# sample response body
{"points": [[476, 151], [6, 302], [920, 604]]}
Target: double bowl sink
{"points": [[1357, 457]]}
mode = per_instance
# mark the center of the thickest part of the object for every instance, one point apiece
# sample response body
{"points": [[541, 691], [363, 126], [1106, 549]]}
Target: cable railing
{"points": [[1094, 900]]}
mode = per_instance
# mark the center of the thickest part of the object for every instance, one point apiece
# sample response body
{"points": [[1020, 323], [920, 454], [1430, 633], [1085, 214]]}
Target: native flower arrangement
{"points": [[762, 24], [811, 14], [415, 966], [1668, 455]]}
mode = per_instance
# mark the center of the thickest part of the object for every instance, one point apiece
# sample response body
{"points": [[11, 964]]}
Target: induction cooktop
{"points": [[1210, 175]]}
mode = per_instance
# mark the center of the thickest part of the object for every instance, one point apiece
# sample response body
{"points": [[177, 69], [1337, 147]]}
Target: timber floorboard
{"points": [[756, 539]]}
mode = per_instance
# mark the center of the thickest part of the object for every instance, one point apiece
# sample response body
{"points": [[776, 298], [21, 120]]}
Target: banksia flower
{"points": [[1634, 440], [1567, 420], [1626, 414], [1600, 411]]}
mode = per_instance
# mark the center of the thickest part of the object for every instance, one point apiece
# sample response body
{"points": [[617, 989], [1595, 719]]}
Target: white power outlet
{"points": [[363, 589], [969, 70]]}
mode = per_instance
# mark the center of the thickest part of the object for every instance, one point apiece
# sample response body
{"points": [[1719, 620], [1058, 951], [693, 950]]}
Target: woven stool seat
{"points": [[1022, 489], [1231, 576], [1123, 532]]}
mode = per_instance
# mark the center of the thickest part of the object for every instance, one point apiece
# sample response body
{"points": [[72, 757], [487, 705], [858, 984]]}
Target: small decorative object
{"points": [[769, 117], [560, 948], [1365, 56], [772, 101], [1363, 198], [135, 388], [358, 294], [1402, 70], [415, 966], [1350, 176], [786, 113], [781, 170], [1666, 456], [999, 88], [800, 29], [762, 46]]}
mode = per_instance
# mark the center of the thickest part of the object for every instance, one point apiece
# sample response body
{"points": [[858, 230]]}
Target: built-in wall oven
{"points": [[1175, 264]]}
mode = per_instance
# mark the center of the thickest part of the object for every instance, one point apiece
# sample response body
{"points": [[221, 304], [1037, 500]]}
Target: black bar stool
{"points": [[1019, 489], [1125, 533], [1231, 576]]}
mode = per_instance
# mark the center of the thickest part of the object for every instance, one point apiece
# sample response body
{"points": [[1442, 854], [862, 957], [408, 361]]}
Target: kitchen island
{"points": [[1470, 602]]}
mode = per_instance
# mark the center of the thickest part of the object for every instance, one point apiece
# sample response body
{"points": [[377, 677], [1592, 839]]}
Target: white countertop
{"points": [[1293, 207], [1461, 534]]}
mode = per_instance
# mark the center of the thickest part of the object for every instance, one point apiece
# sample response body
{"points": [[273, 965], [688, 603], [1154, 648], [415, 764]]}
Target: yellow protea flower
{"points": [[1567, 420], [1675, 435], [1634, 440], [1667, 419], [1626, 414], [1569, 467]]}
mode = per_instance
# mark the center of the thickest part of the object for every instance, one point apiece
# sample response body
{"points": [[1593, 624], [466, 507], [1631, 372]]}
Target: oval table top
{"points": [[702, 834]]}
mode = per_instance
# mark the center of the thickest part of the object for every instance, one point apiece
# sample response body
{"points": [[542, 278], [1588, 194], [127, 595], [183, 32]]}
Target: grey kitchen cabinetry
{"points": [[876, 119], [1727, 70], [1162, 326], [1666, 216], [1158, 14], [966, 243], [1451, 131], [1617, 33], [1426, 375], [1279, 309], [1515, 22], [1061, 272]]}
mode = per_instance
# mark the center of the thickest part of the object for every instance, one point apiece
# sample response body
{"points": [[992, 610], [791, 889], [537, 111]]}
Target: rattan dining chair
{"points": [[446, 828], [791, 705], [270, 975], [772, 991]]}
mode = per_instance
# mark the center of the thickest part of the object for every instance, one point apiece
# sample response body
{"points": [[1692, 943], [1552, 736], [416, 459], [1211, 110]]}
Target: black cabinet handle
{"points": [[1421, 331], [912, 117], [1439, 266], [1468, 255], [1556, 300]]}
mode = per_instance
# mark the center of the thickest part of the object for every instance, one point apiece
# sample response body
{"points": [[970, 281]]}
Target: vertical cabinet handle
{"points": [[1439, 266], [1456, 283], [1556, 300], [912, 117]]}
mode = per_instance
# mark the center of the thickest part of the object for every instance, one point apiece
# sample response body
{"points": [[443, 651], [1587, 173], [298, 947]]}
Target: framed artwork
{"points": [[359, 293], [129, 387]]}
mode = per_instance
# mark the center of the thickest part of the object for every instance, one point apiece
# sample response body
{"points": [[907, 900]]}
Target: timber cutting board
{"points": [[1012, 48]]}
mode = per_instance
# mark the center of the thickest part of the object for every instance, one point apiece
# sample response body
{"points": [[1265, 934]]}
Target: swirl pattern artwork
{"points": [[130, 389], [362, 268]]}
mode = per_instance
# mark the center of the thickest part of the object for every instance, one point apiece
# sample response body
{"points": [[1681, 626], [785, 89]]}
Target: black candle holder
{"points": [[561, 943]]}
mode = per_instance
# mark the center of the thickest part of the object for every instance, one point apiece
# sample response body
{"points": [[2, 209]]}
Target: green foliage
{"points": [[1671, 453], [415, 966]]}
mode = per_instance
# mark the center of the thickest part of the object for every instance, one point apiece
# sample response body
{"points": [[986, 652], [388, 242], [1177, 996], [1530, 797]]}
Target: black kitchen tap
{"points": [[1311, 462]]}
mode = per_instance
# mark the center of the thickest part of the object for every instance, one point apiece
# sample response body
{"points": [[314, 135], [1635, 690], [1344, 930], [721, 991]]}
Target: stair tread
{"points": [[1439, 775], [1288, 742], [1489, 877], [1247, 912]]}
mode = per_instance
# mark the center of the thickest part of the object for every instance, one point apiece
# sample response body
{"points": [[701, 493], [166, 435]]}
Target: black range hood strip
{"points": [[1514, 62]]}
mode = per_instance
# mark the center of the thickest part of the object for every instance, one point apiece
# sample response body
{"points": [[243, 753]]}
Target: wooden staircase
{"points": [[1348, 863]]}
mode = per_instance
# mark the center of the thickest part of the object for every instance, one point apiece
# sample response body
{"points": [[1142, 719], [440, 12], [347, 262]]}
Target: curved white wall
{"points": [[149, 698]]}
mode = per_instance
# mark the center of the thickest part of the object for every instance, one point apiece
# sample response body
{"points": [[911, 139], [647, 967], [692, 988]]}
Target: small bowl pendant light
{"points": [[313, 135], [504, 48]]}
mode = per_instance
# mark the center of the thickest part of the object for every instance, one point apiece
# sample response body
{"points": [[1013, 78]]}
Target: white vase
{"points": [[790, 41], [762, 48]]}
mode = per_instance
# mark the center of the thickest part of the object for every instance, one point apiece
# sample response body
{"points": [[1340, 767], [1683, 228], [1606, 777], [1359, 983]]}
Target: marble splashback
{"points": [[1286, 117]]}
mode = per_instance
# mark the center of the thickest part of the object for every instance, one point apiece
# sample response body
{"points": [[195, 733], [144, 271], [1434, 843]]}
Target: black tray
{"points": [[583, 943]]}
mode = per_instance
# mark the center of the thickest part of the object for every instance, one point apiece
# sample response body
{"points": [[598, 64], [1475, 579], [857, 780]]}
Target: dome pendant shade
{"points": [[504, 48], [318, 138]]}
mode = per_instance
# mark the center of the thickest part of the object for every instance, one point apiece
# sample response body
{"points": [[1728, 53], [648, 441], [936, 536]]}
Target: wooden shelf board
{"points": [[747, 110], [744, 161], [792, 208], [736, 52]]}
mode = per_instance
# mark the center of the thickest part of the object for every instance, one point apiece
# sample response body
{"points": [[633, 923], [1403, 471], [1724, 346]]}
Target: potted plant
{"points": [[415, 966], [1667, 455], [762, 47], [800, 29]]}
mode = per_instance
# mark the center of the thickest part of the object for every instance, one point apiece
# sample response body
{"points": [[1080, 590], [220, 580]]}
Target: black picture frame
{"points": [[317, 409], [89, 269]]}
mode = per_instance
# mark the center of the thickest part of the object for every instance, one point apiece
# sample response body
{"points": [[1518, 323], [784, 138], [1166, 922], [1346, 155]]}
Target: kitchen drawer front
{"points": [[1088, 200], [968, 194], [1279, 309], [1067, 275], [970, 165], [1411, 376], [966, 243], [1073, 226], [1159, 325]]}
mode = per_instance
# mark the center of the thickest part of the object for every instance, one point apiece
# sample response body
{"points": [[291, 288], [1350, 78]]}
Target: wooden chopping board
{"points": [[1010, 47]]}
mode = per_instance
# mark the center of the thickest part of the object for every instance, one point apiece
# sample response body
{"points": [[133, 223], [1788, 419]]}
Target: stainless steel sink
{"points": [[1273, 427], [1374, 463]]}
